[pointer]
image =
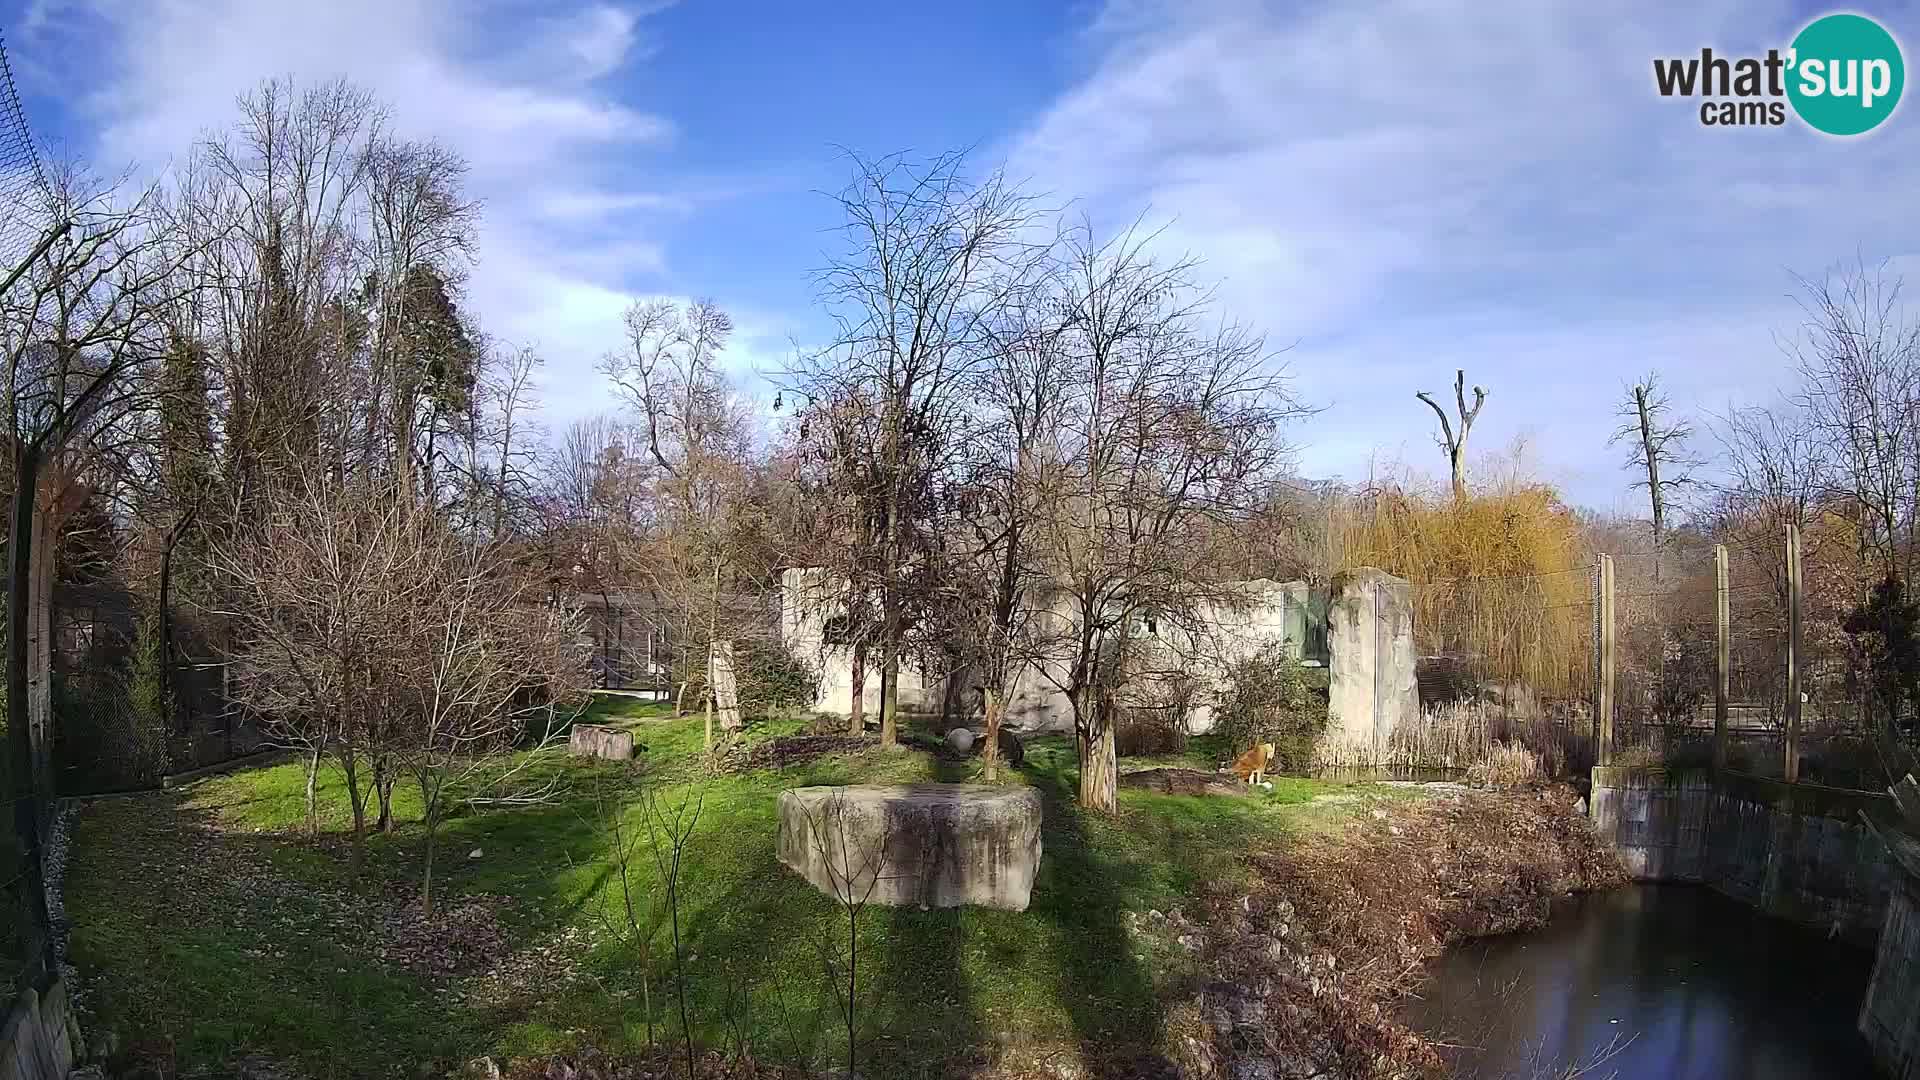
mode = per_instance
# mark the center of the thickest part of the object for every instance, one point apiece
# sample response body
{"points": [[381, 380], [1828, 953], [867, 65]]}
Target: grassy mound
{"points": [[208, 926]]}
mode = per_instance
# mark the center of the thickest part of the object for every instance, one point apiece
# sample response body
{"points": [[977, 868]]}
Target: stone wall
{"points": [[1890, 1013], [1796, 851], [1368, 645], [41, 1038]]}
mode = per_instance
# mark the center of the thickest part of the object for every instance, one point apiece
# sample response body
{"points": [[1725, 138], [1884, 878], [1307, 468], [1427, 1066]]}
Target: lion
{"points": [[1252, 765]]}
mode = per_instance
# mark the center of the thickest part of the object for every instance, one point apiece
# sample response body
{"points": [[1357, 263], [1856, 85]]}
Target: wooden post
{"points": [[1722, 656], [1603, 690], [1792, 764]]}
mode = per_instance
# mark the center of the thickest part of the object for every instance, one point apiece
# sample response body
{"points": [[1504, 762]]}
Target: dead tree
{"points": [[1657, 447], [1456, 445]]}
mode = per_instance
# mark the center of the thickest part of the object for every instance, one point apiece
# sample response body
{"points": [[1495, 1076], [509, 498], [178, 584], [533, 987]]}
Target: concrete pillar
{"points": [[1371, 689]]}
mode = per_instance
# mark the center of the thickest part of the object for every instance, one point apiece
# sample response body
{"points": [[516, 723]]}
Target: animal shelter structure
{"points": [[1359, 628]]}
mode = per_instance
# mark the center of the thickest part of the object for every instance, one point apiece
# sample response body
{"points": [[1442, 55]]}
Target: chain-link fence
{"points": [[1523, 660], [1502, 661], [128, 711]]}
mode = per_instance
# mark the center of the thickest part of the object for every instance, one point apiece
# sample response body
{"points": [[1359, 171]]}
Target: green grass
{"points": [[185, 951]]}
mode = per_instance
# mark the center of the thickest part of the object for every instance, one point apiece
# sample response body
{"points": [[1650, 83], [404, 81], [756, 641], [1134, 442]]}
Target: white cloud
{"points": [[1407, 187], [528, 107], [561, 205]]}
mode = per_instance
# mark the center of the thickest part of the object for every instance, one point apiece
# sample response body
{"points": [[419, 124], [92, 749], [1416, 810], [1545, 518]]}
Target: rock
{"points": [[1012, 750], [1254, 1069], [475, 853], [938, 845], [1174, 781], [598, 740], [961, 739], [1580, 806], [482, 1069]]}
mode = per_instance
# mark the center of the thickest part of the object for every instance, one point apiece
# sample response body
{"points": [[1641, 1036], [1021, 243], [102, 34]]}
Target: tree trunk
{"points": [[430, 781], [383, 779], [857, 708], [890, 700], [34, 928], [426, 876], [313, 774], [995, 708], [1099, 760], [357, 799], [40, 654]]}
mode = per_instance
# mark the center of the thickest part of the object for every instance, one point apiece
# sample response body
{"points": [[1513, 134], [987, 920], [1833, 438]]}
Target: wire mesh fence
{"points": [[1502, 660], [1522, 660], [26, 198]]}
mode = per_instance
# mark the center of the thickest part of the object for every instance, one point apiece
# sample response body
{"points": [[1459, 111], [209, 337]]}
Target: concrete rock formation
{"points": [[1371, 689], [597, 740], [924, 845], [1361, 629]]}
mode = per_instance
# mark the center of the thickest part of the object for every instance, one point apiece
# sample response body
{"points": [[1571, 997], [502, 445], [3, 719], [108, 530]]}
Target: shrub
{"points": [[772, 676], [768, 675], [1156, 722], [1268, 699], [1637, 757], [1507, 765]]}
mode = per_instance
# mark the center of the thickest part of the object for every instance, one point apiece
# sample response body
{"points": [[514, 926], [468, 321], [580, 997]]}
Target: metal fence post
{"points": [[1792, 763], [1722, 655]]}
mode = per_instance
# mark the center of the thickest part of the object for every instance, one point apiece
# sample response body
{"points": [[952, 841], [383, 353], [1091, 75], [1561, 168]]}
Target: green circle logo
{"points": [[1845, 74]]}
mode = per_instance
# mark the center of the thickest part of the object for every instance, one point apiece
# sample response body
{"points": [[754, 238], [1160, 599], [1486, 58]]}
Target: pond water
{"points": [[1652, 980]]}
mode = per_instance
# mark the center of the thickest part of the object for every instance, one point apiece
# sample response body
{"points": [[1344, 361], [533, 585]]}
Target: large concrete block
{"points": [[596, 740], [924, 845], [1371, 690]]}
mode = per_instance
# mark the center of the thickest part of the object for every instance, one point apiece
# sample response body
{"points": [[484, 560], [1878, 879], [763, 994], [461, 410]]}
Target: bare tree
{"points": [[1858, 355], [1657, 445], [317, 590], [930, 257], [81, 326], [697, 433], [856, 862], [668, 835], [1163, 425], [368, 628], [1456, 445]]}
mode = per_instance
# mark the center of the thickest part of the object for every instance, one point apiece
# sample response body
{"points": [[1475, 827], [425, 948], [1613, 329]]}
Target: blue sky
{"points": [[1396, 188]]}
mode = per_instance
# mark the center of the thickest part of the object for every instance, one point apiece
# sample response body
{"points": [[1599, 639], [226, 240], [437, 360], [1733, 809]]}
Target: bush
{"points": [[1268, 699], [768, 675], [772, 676], [1508, 765], [1156, 723]]}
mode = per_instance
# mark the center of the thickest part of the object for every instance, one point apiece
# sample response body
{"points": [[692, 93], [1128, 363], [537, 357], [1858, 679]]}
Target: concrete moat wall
{"points": [[1796, 851], [1890, 1013]]}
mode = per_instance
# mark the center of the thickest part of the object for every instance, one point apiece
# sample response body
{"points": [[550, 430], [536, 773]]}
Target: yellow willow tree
{"points": [[1501, 578]]}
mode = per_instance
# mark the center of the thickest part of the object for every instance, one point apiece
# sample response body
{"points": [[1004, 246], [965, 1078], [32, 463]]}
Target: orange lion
{"points": [[1252, 765]]}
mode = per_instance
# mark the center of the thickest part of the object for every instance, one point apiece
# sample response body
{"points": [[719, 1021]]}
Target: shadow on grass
{"points": [[1081, 889]]}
